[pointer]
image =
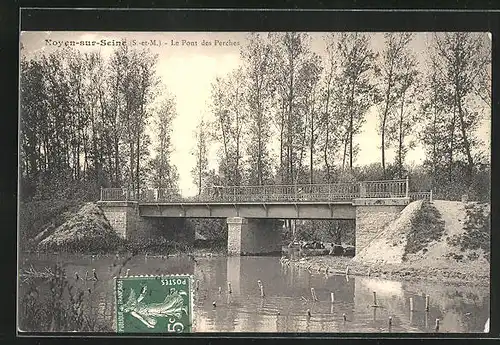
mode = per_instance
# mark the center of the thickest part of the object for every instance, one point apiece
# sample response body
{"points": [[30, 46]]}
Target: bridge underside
{"points": [[316, 210]]}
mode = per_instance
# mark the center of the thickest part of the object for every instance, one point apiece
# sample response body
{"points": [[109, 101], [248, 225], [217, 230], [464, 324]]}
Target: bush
{"points": [[426, 226], [35, 216], [157, 245], [477, 228], [87, 231]]}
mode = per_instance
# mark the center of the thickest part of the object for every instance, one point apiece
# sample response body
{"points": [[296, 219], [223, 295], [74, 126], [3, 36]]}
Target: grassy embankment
{"points": [[443, 240]]}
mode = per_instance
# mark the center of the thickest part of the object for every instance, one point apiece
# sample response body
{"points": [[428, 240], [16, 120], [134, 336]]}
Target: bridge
{"points": [[254, 213]]}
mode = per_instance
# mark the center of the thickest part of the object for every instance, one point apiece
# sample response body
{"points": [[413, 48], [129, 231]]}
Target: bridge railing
{"points": [[421, 196], [308, 192], [116, 194], [384, 189]]}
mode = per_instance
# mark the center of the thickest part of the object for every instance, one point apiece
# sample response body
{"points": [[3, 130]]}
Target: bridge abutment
{"points": [[253, 236], [124, 218], [372, 215]]}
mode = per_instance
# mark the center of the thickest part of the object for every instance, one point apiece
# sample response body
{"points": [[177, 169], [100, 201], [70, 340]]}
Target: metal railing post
{"points": [[407, 185], [101, 193]]}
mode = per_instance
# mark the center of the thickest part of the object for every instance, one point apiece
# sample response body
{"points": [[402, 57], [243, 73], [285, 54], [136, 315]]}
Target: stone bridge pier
{"points": [[247, 236]]}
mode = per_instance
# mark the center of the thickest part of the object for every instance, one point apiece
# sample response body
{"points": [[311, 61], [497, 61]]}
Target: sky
{"points": [[187, 68]]}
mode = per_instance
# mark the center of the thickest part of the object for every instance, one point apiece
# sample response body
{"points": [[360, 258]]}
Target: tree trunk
{"points": [[452, 143], [400, 143], [351, 120], [386, 112], [470, 160], [290, 121], [311, 151]]}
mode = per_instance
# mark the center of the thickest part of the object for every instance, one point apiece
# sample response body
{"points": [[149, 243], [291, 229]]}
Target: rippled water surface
{"points": [[287, 297]]}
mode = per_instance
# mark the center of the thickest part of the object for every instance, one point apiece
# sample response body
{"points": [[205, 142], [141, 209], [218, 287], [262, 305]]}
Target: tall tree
{"points": [[200, 151], [259, 64], [433, 136], [163, 173], [392, 72], [460, 59], [292, 51], [310, 75], [328, 129], [407, 90], [356, 68]]}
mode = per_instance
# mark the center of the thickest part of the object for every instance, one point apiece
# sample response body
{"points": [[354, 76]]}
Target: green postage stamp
{"points": [[156, 304]]}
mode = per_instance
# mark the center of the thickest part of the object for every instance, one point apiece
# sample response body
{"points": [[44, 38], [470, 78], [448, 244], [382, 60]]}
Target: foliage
{"points": [[458, 62], [426, 226], [477, 233], [210, 228], [84, 119], [333, 231], [62, 310]]}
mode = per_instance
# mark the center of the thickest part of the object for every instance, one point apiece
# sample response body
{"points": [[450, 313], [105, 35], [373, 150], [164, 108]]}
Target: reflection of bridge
{"points": [[252, 211]]}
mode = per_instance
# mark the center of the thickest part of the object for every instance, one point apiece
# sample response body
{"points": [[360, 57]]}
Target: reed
{"points": [[32, 273]]}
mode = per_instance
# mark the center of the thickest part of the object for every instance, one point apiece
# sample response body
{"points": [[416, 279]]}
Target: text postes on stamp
{"points": [[157, 304]]}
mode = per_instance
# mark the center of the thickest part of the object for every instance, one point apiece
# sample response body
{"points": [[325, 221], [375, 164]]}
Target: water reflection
{"points": [[288, 296]]}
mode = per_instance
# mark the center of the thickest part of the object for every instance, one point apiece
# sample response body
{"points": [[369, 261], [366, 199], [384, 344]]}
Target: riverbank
{"points": [[460, 273]]}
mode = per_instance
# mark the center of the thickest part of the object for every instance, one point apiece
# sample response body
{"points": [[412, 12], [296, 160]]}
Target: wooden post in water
{"points": [[437, 325], [411, 304], [313, 295], [374, 299], [332, 297], [430, 197], [262, 291], [390, 323], [427, 303], [229, 287]]}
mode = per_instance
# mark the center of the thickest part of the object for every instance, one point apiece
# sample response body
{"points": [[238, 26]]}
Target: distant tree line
{"points": [[84, 120], [316, 106]]}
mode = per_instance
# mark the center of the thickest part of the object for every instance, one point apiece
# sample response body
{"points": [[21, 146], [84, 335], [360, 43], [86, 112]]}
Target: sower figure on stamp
{"points": [[172, 306]]}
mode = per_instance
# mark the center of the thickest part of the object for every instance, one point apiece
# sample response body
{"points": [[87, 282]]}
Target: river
{"points": [[287, 298]]}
